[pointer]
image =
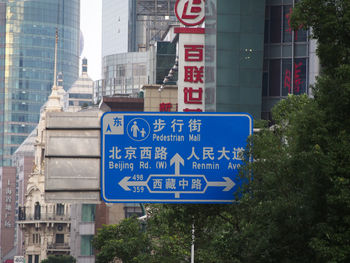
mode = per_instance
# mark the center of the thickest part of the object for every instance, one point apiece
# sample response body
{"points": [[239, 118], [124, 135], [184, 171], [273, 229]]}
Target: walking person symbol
{"points": [[143, 132], [135, 129], [138, 129]]}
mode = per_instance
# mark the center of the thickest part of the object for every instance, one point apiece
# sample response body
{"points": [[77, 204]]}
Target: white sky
{"points": [[91, 25]]}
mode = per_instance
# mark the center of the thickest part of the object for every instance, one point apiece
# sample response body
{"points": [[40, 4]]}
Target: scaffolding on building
{"points": [[155, 16]]}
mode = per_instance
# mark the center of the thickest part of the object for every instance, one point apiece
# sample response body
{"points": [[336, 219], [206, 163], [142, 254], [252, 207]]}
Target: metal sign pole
{"points": [[192, 246]]}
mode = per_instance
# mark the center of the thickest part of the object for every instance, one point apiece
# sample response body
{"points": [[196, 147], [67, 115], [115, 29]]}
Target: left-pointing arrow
{"points": [[125, 183]]}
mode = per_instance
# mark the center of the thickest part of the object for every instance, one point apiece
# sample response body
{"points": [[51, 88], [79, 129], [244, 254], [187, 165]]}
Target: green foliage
{"points": [[126, 241], [330, 22], [59, 259]]}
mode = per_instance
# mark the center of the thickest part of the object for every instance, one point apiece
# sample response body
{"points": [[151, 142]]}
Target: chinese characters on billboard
{"points": [[191, 92]]}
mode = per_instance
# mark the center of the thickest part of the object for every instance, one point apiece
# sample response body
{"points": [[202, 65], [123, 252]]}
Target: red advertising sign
{"points": [[190, 12], [167, 107], [297, 80], [191, 82]]}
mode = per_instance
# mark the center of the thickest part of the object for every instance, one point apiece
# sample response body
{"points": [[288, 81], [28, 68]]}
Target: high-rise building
{"points": [[254, 57], [132, 25], [290, 61], [118, 27], [27, 41]]}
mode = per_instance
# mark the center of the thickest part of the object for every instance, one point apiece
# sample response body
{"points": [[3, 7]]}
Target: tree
{"points": [[126, 241], [330, 21]]}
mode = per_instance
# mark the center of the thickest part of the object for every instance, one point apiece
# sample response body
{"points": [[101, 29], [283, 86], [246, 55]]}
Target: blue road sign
{"points": [[172, 157]]}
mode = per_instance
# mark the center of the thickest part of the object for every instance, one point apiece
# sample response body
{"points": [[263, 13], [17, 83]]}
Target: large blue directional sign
{"points": [[172, 157]]}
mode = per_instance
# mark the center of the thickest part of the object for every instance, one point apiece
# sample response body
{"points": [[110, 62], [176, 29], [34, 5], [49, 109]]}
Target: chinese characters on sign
{"points": [[297, 80], [167, 107], [172, 157], [9, 213], [191, 93], [289, 28]]}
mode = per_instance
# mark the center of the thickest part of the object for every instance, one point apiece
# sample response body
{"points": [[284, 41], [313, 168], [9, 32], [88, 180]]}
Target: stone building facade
{"points": [[45, 226]]}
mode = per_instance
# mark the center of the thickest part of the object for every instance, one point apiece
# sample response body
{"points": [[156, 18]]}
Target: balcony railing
{"points": [[44, 217], [58, 246]]}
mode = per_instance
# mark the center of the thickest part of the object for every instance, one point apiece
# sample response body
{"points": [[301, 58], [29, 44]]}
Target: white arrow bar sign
{"points": [[228, 184], [177, 160], [125, 183]]}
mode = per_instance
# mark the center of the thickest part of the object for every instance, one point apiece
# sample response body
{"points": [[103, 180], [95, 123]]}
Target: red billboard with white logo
{"points": [[191, 92]]}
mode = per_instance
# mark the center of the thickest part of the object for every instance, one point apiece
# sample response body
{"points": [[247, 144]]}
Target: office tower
{"points": [[253, 56], [290, 62], [117, 26], [27, 44], [132, 25]]}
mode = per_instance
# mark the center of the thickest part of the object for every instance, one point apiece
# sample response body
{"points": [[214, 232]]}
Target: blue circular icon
{"points": [[138, 129]]}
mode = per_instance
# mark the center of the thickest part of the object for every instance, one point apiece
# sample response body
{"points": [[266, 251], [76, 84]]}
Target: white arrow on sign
{"points": [[228, 184], [125, 183], [177, 160]]}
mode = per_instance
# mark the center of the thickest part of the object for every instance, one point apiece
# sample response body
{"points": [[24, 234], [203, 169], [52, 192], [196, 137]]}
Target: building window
{"points": [[299, 76], [36, 259], [59, 238], [275, 24], [30, 259], [36, 238], [88, 213], [37, 211], [60, 209], [21, 213], [274, 77], [80, 96], [86, 248], [132, 209], [287, 28], [287, 78]]}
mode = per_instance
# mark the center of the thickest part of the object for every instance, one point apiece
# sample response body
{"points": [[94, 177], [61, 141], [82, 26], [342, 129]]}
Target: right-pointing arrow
{"points": [[228, 184]]}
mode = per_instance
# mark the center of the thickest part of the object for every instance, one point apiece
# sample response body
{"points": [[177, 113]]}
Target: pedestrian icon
{"points": [[138, 129], [135, 129], [143, 133]]}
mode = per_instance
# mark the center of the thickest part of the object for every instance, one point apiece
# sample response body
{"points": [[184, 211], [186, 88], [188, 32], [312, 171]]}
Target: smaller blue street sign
{"points": [[172, 157]]}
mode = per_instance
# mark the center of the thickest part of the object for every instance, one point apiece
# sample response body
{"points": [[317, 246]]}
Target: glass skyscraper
{"points": [[27, 44], [253, 56], [234, 55]]}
